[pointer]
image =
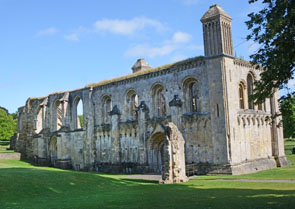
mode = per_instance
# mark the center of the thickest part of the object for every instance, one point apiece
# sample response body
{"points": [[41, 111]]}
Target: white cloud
{"points": [[127, 27], [179, 40], [75, 35], [190, 2], [47, 32], [72, 37], [181, 37]]}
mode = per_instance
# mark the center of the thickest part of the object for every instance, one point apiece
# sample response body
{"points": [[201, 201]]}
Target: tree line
{"points": [[8, 125]]}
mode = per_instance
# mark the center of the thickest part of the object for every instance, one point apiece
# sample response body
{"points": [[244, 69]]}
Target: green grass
{"points": [[25, 186], [289, 144], [3, 146]]}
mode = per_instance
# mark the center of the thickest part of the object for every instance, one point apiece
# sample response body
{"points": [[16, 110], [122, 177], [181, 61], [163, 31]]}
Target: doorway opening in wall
{"points": [[155, 153], [53, 151]]}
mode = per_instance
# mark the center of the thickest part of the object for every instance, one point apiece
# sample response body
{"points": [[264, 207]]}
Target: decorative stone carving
{"points": [[115, 111], [143, 107], [176, 101]]}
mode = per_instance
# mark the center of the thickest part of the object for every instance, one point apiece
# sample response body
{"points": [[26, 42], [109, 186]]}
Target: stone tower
{"points": [[217, 32], [140, 64]]}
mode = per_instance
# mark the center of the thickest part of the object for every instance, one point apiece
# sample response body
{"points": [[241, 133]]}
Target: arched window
{"points": [[59, 114], [132, 105], [250, 82], [78, 113], [191, 95], [106, 108], [159, 100], [241, 96]]}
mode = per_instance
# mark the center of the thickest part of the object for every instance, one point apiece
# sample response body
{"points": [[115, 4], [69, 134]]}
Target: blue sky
{"points": [[57, 45]]}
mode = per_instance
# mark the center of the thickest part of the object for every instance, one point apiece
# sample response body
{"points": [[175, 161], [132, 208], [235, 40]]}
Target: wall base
{"points": [[253, 166], [64, 164], [191, 169], [127, 168], [282, 161]]}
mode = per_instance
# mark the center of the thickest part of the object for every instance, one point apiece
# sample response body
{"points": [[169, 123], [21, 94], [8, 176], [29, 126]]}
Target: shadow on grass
{"points": [[4, 143], [55, 188], [140, 180]]}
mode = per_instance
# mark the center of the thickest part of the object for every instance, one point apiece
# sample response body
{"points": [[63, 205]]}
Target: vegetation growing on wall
{"points": [[7, 125]]}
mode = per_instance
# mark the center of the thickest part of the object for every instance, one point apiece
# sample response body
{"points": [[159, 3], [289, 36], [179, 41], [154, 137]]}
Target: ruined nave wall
{"points": [[122, 139]]}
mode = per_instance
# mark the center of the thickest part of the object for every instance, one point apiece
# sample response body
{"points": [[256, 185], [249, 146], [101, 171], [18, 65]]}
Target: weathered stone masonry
{"points": [[203, 101]]}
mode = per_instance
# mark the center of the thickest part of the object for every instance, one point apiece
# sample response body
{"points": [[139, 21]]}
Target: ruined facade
{"points": [[190, 117]]}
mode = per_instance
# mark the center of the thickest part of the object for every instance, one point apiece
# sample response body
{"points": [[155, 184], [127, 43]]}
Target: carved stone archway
{"points": [[155, 155]]}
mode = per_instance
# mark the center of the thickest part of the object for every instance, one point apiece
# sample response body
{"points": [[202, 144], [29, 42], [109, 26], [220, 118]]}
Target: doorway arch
{"points": [[155, 153], [53, 151]]}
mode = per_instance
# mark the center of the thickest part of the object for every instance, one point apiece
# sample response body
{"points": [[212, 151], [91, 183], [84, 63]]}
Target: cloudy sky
{"points": [[57, 45]]}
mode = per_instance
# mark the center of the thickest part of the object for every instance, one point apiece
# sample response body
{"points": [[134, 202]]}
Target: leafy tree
{"points": [[288, 114], [81, 121], [273, 28], [7, 125]]}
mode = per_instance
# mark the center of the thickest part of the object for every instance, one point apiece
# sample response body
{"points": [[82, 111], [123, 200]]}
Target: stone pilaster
{"points": [[115, 136], [142, 129]]}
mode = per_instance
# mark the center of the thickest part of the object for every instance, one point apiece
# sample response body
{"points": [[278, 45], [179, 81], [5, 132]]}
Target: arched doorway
{"points": [[53, 151], [155, 153]]}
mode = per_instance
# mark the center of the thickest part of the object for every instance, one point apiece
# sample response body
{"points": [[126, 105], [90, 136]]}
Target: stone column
{"points": [[143, 112], [115, 136], [88, 114]]}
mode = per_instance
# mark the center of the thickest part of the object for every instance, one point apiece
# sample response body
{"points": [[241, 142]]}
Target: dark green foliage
{"points": [[274, 29], [81, 121], [7, 125], [288, 114]]}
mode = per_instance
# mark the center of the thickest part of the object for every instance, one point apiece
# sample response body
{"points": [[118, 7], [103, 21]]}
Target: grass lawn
{"points": [[3, 146], [289, 144], [25, 186]]}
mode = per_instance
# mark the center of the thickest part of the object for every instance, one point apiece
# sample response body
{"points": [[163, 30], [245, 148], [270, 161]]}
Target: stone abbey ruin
{"points": [[190, 117]]}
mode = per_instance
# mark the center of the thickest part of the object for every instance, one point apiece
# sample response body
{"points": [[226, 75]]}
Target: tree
{"points": [[7, 125], [81, 120], [274, 29], [288, 114]]}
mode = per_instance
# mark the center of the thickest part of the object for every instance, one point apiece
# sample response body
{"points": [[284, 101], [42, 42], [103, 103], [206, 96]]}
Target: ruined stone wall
{"points": [[249, 131], [220, 137], [122, 140]]}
